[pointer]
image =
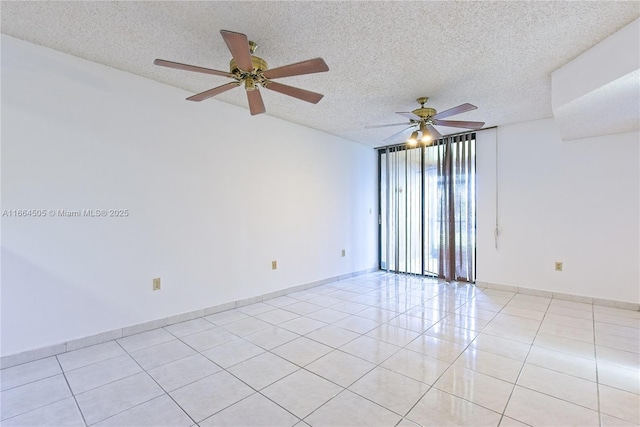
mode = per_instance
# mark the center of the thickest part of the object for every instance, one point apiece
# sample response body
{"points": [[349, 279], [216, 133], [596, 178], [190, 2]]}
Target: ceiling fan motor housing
{"points": [[258, 63], [250, 77], [425, 118], [424, 112], [252, 73]]}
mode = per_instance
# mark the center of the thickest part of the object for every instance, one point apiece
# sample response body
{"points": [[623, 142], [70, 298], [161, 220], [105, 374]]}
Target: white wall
{"points": [[576, 202], [214, 195]]}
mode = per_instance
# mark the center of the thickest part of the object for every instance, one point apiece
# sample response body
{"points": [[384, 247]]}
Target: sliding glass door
{"points": [[427, 208], [433, 195], [401, 210]]}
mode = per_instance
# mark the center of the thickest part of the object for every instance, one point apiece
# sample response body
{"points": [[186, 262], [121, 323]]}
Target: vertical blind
{"points": [[427, 209]]}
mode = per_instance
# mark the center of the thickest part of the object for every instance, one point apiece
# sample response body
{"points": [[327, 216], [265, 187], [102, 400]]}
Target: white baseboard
{"points": [[52, 350], [562, 296]]}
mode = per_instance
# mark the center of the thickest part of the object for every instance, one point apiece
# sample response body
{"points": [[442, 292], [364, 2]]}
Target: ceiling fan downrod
{"points": [[425, 113]]}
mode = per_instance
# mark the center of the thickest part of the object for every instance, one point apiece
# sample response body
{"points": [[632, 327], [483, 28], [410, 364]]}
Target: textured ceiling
{"points": [[382, 55]]}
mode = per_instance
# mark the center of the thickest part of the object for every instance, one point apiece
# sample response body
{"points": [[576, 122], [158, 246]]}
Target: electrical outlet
{"points": [[274, 265], [156, 284], [558, 266], [344, 252]]}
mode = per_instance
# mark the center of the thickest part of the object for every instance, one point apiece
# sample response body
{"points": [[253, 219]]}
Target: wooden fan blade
{"points": [[459, 124], [409, 115], [186, 67], [434, 132], [455, 110], [398, 133], [212, 92], [385, 126], [256, 105], [310, 66], [302, 94], [238, 45]]}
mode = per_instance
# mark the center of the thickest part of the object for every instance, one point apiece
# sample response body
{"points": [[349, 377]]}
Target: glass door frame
{"points": [[403, 147]]}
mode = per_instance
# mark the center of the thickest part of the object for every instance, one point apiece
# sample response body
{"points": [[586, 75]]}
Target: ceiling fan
{"points": [[424, 118], [250, 70]]}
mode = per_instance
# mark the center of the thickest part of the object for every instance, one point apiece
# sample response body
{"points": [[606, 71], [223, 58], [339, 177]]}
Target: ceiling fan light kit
{"points": [[252, 71], [424, 119]]}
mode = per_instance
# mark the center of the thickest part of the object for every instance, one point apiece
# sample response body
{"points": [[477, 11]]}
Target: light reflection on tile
{"points": [[475, 387], [491, 364], [360, 351]]}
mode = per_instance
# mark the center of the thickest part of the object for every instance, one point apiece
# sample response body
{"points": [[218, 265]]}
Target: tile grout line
{"points": [[156, 382], [56, 356], [379, 365], [581, 378], [431, 386], [253, 394], [46, 405], [348, 278], [595, 355], [256, 391], [31, 382], [524, 362], [581, 357], [136, 362], [345, 389], [84, 420], [109, 382], [365, 373], [465, 349], [259, 391], [485, 326], [377, 277], [379, 305], [558, 351]]}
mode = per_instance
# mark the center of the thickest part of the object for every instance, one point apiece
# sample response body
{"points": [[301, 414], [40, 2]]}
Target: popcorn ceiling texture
{"points": [[382, 55], [612, 108]]}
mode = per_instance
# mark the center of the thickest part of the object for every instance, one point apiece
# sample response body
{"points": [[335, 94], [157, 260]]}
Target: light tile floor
{"points": [[374, 350]]}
